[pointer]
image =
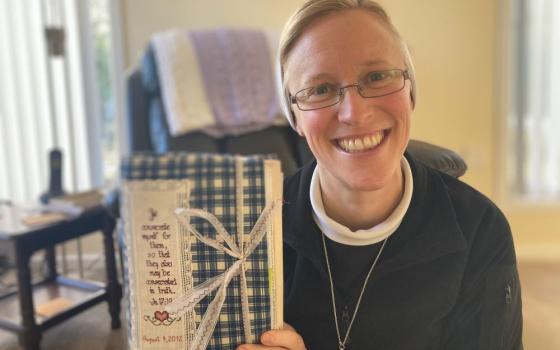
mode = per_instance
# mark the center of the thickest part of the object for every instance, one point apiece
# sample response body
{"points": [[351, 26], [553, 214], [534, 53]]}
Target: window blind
{"points": [[535, 118], [43, 100]]}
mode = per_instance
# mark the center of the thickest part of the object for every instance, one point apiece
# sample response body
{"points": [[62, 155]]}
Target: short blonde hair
{"points": [[312, 10]]}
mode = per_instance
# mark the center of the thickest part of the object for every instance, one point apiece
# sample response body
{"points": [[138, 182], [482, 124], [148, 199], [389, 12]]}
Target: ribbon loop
{"points": [[195, 295], [184, 214]]}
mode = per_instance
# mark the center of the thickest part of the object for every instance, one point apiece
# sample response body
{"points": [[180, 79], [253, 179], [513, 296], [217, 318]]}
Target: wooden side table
{"points": [[18, 306]]}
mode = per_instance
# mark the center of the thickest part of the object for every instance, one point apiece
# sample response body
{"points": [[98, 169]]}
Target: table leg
{"points": [[50, 257], [114, 290], [30, 336]]}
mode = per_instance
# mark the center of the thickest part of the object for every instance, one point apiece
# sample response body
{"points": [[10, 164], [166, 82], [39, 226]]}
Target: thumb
{"points": [[288, 327]]}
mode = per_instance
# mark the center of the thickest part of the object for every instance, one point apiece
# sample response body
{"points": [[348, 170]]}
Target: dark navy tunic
{"points": [[447, 278]]}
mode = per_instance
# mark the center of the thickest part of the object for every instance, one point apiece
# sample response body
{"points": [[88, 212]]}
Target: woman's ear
{"points": [[296, 124]]}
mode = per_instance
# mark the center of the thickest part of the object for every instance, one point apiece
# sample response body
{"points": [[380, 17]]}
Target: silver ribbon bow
{"points": [[241, 252]]}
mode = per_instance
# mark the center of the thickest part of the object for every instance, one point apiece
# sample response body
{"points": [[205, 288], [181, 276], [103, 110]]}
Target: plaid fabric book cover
{"points": [[203, 249]]}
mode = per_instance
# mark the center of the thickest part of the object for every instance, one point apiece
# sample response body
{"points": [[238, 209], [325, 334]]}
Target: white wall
{"points": [[141, 18]]}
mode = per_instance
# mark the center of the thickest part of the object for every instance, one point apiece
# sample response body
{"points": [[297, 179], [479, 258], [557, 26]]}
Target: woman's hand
{"points": [[281, 339]]}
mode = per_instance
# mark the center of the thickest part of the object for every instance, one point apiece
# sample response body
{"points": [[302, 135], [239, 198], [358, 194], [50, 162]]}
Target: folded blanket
{"points": [[181, 84], [218, 81]]}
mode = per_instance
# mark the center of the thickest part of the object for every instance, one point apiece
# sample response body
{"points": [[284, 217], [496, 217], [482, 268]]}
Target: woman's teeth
{"points": [[361, 144]]}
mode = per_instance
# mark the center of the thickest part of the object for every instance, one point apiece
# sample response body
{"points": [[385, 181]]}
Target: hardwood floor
{"points": [[90, 330], [541, 308], [540, 288]]}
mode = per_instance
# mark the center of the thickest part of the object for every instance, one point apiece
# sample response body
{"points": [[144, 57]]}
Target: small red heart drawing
{"points": [[161, 316]]}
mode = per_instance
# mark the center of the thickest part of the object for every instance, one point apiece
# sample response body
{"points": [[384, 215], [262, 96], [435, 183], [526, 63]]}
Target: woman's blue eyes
{"points": [[322, 89], [376, 76], [370, 80], [372, 77]]}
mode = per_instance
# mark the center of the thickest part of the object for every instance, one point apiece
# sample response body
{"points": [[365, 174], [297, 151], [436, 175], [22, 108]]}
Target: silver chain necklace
{"points": [[342, 342]]}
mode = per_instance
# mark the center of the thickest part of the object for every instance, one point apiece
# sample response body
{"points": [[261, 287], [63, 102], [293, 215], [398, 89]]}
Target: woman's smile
{"points": [[360, 144]]}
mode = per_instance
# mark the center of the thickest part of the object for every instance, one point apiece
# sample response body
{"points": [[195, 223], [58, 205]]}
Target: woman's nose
{"points": [[353, 107]]}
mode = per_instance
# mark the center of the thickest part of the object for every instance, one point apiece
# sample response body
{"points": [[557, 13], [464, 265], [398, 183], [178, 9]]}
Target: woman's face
{"points": [[341, 49]]}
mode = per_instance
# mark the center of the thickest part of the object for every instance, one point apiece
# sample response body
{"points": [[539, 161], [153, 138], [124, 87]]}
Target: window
{"points": [[55, 93], [533, 122], [102, 38]]}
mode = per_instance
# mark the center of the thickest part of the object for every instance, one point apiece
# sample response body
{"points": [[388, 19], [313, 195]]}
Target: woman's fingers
{"points": [[288, 327], [258, 347], [280, 339], [286, 337]]}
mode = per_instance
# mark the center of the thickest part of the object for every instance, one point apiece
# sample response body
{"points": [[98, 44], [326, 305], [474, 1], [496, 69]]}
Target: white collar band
{"points": [[342, 234]]}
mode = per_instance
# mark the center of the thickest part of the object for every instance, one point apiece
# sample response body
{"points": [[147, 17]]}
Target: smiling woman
{"points": [[355, 120], [380, 251]]}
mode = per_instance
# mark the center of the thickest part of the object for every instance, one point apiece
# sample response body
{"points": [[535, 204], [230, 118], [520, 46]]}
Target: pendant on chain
{"points": [[342, 341]]}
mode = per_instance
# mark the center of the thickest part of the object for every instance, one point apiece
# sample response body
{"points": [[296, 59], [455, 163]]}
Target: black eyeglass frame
{"points": [[404, 73]]}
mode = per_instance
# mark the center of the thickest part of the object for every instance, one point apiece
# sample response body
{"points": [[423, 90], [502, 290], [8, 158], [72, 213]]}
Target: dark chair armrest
{"points": [[437, 157]]}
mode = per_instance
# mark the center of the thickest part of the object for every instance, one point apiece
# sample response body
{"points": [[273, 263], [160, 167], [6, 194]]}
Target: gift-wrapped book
{"points": [[203, 249]]}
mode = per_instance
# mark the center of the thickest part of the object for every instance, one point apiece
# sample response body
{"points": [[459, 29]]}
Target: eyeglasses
{"points": [[373, 84]]}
